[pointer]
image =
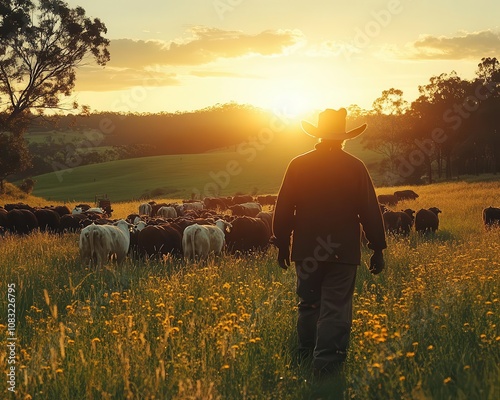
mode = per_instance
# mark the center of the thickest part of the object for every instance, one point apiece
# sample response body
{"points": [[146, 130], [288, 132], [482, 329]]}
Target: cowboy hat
{"points": [[331, 126]]}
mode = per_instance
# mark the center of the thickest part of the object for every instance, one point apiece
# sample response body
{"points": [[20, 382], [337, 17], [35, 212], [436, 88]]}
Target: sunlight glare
{"points": [[291, 105]]}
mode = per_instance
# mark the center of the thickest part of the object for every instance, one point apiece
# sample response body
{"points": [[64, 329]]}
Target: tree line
{"points": [[451, 129]]}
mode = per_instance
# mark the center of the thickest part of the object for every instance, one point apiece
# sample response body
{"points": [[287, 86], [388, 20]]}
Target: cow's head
{"points": [[435, 210]]}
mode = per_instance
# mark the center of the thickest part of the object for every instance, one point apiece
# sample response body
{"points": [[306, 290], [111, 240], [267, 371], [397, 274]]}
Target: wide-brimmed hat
{"points": [[331, 126]]}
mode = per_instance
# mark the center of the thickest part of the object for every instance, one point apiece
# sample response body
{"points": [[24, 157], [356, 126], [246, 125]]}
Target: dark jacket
{"points": [[325, 195]]}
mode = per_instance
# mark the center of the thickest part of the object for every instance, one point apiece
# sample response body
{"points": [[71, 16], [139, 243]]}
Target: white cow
{"points": [[195, 205], [99, 242], [198, 241], [167, 212], [145, 209], [139, 225], [96, 210], [79, 210]]}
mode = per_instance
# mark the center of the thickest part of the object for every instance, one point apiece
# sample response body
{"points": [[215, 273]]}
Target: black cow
{"points": [[215, 203], [247, 234], [387, 199], [397, 222], [427, 220], [160, 240], [48, 219], [491, 217], [18, 206], [61, 210], [268, 200], [3, 218], [246, 209], [21, 221], [405, 195], [242, 198], [71, 223]]}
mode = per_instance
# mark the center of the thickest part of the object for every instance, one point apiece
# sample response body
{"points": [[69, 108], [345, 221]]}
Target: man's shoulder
{"points": [[314, 155]]}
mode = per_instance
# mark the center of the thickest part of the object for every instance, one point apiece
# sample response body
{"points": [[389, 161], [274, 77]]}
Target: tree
{"points": [[445, 94], [488, 70], [28, 185], [14, 156], [388, 120], [42, 43]]}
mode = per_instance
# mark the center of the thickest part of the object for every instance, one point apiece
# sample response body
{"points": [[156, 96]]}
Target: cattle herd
{"points": [[191, 229]]}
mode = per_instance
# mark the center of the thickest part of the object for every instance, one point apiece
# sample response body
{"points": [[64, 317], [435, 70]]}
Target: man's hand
{"points": [[284, 257], [377, 262]]}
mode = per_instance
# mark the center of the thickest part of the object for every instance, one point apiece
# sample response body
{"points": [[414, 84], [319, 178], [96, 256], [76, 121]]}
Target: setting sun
{"points": [[291, 105]]}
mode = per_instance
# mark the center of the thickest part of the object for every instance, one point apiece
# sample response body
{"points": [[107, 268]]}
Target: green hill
{"points": [[250, 167]]}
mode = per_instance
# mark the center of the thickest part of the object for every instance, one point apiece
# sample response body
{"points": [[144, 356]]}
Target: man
{"points": [[325, 195]]}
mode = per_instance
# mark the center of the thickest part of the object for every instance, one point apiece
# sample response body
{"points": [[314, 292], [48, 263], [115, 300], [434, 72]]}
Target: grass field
{"points": [[426, 328], [250, 167]]}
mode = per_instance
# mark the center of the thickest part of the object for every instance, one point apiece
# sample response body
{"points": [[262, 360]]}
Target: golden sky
{"points": [[291, 56]]}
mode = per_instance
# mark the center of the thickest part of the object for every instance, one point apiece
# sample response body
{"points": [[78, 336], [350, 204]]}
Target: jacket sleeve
{"points": [[284, 212], [370, 215]]}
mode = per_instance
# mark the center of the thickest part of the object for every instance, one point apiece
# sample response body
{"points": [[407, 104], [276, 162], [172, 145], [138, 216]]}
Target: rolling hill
{"points": [[250, 167]]}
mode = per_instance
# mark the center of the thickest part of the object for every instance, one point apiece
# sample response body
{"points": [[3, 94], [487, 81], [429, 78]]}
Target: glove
{"points": [[377, 262], [284, 257]]}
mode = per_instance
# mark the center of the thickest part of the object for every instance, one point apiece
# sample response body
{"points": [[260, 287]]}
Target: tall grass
{"points": [[426, 328]]}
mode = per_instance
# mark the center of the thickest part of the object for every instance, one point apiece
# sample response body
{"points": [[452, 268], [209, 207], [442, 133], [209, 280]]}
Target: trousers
{"points": [[325, 311]]}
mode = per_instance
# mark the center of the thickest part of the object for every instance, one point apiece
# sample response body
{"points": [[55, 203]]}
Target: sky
{"points": [[290, 56]]}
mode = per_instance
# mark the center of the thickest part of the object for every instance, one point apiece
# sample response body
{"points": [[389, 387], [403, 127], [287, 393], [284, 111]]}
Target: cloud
{"points": [[463, 46], [204, 46], [108, 79], [221, 74]]}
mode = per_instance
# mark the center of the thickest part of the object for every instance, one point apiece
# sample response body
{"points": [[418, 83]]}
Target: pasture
{"points": [[426, 328], [230, 170]]}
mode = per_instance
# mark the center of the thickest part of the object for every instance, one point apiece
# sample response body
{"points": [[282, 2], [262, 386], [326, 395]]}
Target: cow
{"points": [[71, 223], [426, 220], [250, 209], [167, 212], [405, 195], [80, 208], [387, 199], [194, 205], [242, 198], [199, 241], [18, 206], [3, 218], [214, 203], [98, 242], [160, 240], [96, 210], [133, 218], [397, 222], [134, 236], [247, 234], [267, 217], [61, 210], [156, 206], [491, 217], [145, 209], [22, 221], [48, 219], [268, 200]]}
